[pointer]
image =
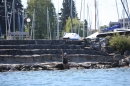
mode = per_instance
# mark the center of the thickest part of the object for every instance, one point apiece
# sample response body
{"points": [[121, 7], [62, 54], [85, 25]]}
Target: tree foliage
{"points": [[120, 43], [40, 7], [18, 12], [77, 26], [102, 27], [66, 11]]}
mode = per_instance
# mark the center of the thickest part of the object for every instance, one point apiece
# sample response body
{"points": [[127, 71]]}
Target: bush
{"points": [[120, 43]]}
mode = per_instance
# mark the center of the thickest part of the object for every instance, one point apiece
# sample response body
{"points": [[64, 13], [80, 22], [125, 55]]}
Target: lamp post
{"points": [[28, 21]]}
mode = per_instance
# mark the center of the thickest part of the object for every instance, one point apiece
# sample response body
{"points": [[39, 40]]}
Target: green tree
{"points": [[76, 27], [120, 42], [40, 7], [18, 14], [66, 12], [102, 27]]}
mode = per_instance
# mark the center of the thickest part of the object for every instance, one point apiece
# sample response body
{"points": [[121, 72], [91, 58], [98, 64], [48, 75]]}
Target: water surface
{"points": [[87, 77]]}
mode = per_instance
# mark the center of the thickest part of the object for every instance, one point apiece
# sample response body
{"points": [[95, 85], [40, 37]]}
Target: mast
{"points": [[117, 9], [80, 16], [87, 18], [47, 25], [33, 25], [13, 15], [84, 21], [6, 17], [95, 15], [71, 16], [58, 22]]}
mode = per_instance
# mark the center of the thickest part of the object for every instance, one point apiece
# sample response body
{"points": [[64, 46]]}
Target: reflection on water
{"points": [[88, 77]]}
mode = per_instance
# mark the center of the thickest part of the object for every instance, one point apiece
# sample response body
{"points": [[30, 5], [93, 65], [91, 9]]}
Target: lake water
{"points": [[87, 77]]}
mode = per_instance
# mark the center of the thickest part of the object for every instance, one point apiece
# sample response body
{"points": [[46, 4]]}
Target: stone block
{"points": [[46, 57], [8, 59], [117, 57], [77, 58], [90, 58], [107, 49], [37, 58], [1, 58], [35, 51], [28, 60], [72, 51], [56, 58], [43, 51], [20, 59], [26, 52]]}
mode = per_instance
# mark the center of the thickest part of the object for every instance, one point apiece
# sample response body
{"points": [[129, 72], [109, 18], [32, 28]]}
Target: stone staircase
{"points": [[28, 51]]}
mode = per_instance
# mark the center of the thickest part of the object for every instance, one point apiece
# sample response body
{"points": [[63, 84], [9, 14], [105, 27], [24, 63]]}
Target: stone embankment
{"points": [[26, 55]]}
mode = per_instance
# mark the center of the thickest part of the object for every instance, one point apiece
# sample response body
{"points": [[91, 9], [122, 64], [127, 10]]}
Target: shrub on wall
{"points": [[120, 43]]}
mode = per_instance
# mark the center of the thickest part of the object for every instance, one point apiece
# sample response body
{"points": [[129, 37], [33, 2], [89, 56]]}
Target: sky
{"points": [[107, 10]]}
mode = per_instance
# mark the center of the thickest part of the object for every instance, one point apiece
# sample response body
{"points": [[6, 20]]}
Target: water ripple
{"points": [[88, 77]]}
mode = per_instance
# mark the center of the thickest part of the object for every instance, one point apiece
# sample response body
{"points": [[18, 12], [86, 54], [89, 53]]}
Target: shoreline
{"points": [[11, 67]]}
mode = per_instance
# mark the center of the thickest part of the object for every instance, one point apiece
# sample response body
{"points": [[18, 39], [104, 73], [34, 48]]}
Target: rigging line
{"points": [[125, 9], [128, 7], [128, 12]]}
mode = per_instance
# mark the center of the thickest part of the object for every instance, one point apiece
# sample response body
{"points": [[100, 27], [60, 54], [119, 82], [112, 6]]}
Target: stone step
{"points": [[48, 51], [22, 42], [42, 46], [54, 58]]}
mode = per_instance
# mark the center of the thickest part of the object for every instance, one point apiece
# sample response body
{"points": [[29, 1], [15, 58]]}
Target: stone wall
{"points": [[25, 55], [26, 51]]}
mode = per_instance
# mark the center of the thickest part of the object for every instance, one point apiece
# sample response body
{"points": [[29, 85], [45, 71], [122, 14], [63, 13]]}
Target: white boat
{"points": [[121, 31]]}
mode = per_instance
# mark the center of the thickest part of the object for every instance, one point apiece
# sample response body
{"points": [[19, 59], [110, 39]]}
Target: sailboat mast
{"points": [[80, 15], [47, 25], [5, 17], [95, 14], [13, 15], [84, 21], [33, 25], [71, 16], [117, 9]]}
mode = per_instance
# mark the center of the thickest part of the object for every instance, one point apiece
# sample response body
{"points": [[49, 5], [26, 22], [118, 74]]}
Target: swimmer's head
{"points": [[65, 54]]}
